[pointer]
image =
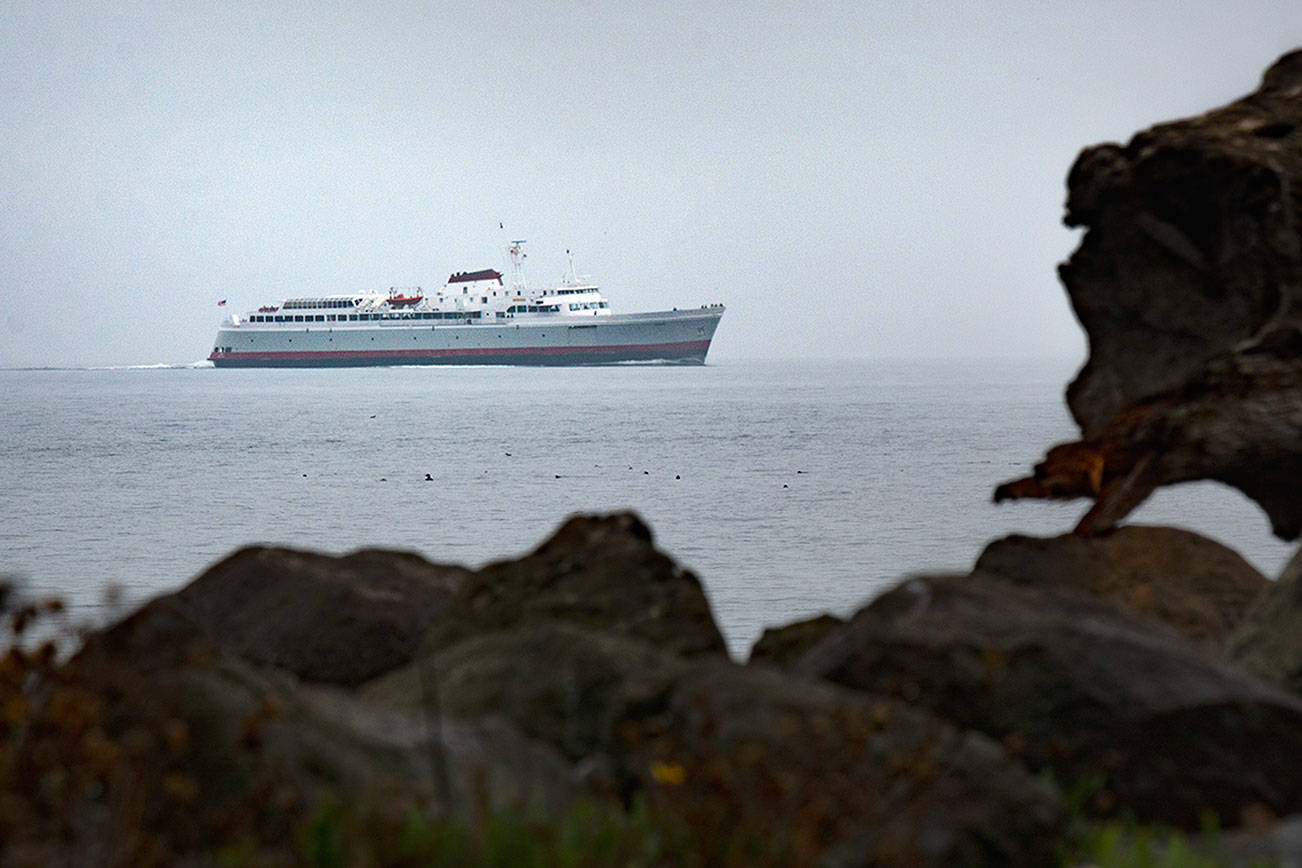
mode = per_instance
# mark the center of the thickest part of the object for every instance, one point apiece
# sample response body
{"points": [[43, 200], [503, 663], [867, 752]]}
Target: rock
{"points": [[782, 645], [1279, 843], [860, 780], [139, 760], [563, 684], [601, 571], [1268, 640], [1076, 685], [1195, 584], [333, 620], [732, 750], [1186, 282]]}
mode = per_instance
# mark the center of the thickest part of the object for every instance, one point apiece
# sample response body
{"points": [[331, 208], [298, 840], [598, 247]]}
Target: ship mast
{"points": [[516, 249], [571, 279]]}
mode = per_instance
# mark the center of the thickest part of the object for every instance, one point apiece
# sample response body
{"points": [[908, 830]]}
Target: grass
{"points": [[591, 834]]}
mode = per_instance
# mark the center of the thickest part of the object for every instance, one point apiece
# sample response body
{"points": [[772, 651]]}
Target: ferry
{"points": [[475, 319]]}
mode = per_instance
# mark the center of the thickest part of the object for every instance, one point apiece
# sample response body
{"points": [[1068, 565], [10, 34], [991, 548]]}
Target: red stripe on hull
{"points": [[687, 351]]}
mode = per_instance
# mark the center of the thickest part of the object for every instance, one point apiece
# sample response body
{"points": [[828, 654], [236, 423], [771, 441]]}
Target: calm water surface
{"points": [[791, 488]]}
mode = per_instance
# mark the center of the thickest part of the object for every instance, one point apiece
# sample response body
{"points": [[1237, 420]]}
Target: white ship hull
{"points": [[670, 336]]}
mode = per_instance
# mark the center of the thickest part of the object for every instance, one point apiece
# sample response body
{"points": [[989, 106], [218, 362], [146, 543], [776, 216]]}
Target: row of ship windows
{"points": [[589, 305], [365, 317], [300, 303]]}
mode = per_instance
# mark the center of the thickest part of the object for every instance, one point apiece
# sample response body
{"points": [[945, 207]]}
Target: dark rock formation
{"points": [[872, 781], [132, 753], [1268, 640], [325, 619], [563, 684], [782, 645], [1187, 283], [738, 751], [1196, 585], [603, 571], [1077, 685], [1278, 843]]}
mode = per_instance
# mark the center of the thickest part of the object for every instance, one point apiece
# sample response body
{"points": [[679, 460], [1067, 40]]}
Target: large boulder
{"points": [[601, 571], [1187, 283], [861, 780], [1269, 639], [778, 646], [738, 753], [1195, 584], [1076, 685], [564, 684], [132, 753], [332, 620]]}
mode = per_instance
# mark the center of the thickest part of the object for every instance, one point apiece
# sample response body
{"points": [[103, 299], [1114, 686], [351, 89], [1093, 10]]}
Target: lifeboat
{"points": [[400, 300]]}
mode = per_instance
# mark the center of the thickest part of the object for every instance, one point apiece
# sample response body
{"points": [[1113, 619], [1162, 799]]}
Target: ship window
{"points": [[352, 317], [485, 300], [298, 317]]}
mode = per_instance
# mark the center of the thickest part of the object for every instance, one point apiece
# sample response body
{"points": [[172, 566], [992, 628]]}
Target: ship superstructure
{"points": [[475, 318]]}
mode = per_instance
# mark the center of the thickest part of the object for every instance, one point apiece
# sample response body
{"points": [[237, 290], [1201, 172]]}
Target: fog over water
{"points": [[851, 179]]}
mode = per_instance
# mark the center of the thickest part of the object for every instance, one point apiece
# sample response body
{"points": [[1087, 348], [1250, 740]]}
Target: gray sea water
{"points": [[790, 488]]}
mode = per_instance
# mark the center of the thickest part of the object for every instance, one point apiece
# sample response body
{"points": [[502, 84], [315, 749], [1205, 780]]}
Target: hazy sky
{"points": [[851, 179]]}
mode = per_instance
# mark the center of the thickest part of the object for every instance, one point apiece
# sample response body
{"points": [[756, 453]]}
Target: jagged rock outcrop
{"points": [[1194, 584], [1076, 684], [1268, 640], [1187, 283]]}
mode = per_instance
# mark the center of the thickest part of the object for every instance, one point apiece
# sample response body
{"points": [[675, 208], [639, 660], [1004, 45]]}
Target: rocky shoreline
{"points": [[1119, 671]]}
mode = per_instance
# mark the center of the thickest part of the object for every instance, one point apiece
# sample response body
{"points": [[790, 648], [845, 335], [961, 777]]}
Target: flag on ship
{"points": [[221, 303]]}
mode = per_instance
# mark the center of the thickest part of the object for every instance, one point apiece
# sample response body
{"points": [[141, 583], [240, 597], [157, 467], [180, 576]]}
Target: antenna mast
{"points": [[571, 279], [516, 249]]}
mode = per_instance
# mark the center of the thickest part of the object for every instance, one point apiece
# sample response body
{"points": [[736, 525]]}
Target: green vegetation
{"points": [[589, 834]]}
